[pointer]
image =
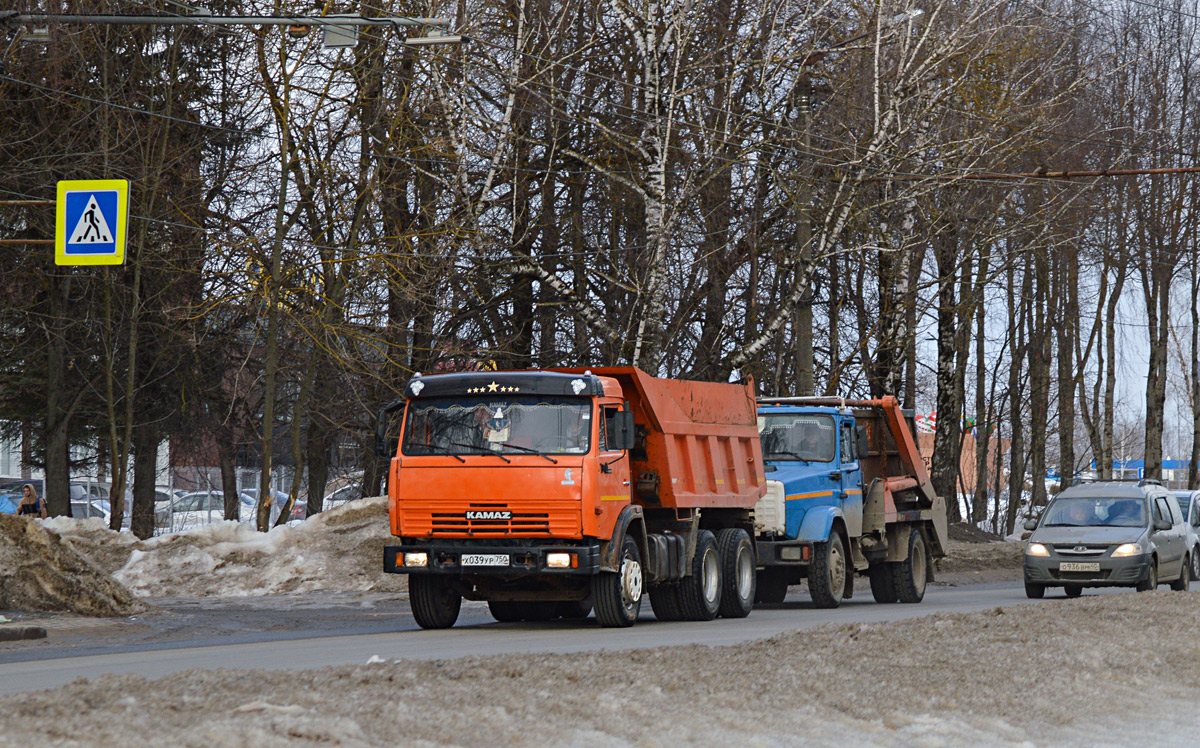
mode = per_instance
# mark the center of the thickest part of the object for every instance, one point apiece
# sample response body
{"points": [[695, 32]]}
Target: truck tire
{"points": [[882, 588], [908, 576], [435, 604], [827, 574], [664, 601], [511, 611], [700, 591], [737, 572], [575, 609], [618, 597], [771, 586]]}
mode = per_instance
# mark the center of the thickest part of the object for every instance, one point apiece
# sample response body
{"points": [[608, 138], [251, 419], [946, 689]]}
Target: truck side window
{"points": [[847, 443], [609, 423]]}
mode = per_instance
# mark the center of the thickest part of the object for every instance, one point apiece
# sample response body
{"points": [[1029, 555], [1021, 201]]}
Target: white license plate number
{"points": [[1075, 566], [485, 559]]}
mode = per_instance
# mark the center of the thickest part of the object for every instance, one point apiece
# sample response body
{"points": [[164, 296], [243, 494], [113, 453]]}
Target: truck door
{"points": [[850, 482], [613, 481]]}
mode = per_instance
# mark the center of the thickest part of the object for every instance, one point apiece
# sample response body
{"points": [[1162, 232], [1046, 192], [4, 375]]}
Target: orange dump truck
{"points": [[549, 493]]}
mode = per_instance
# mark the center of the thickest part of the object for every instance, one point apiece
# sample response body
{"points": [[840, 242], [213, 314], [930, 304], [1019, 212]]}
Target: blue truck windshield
{"points": [[498, 425], [795, 436]]}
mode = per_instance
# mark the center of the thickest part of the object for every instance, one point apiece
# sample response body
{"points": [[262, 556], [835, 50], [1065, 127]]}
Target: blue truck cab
{"points": [[811, 452], [847, 493]]}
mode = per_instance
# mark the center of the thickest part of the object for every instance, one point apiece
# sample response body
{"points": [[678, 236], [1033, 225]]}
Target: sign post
{"points": [[91, 219]]}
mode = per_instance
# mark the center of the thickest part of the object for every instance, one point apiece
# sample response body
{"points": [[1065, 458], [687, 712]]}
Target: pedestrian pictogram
{"points": [[91, 222]]}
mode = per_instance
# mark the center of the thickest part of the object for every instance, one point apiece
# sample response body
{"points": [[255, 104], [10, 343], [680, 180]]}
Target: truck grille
{"points": [[521, 523], [529, 519]]}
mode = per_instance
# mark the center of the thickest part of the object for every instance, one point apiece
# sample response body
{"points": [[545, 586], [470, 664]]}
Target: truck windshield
{"points": [[794, 436], [504, 425], [1089, 511]]}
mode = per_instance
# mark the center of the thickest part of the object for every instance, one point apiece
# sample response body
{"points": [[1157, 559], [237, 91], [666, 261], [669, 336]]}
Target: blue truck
{"points": [[847, 493]]}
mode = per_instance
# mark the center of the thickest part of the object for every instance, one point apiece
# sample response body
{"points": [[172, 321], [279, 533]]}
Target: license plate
{"points": [[485, 559], [1073, 566]]}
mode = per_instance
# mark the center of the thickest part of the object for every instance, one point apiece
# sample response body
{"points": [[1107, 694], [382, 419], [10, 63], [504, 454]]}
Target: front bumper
{"points": [[446, 558], [784, 552], [1114, 572]]}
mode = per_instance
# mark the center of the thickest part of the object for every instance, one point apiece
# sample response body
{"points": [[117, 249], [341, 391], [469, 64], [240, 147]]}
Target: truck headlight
{"points": [[558, 560], [419, 558], [1037, 549], [1127, 549]]}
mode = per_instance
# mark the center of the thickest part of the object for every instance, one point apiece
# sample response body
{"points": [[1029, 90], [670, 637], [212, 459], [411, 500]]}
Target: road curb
{"points": [[17, 633]]}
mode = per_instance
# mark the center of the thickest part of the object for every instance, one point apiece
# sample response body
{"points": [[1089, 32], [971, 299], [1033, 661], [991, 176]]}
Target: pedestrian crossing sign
{"points": [[91, 218]]}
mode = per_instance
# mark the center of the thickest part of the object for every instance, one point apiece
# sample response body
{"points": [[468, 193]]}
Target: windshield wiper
{"points": [[530, 451], [480, 450], [785, 452]]}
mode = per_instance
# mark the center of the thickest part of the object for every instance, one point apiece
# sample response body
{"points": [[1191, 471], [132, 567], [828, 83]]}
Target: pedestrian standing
{"points": [[30, 503]]}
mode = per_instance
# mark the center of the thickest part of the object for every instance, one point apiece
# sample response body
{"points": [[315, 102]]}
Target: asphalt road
{"points": [[476, 634]]}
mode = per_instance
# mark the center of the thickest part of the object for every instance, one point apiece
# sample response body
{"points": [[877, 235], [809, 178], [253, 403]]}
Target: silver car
{"points": [[1189, 503], [1108, 535]]}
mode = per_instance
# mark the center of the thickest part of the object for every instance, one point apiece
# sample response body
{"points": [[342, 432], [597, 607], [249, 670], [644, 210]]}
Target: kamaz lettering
{"points": [[490, 515]]}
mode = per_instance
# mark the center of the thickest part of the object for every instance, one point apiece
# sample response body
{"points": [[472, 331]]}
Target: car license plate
{"points": [[485, 559], [1074, 566]]}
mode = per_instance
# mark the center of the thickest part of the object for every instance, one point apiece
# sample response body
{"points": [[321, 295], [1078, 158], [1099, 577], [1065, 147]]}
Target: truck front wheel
{"points": [[827, 574], [700, 591], [435, 604], [618, 597], [737, 571], [908, 576]]}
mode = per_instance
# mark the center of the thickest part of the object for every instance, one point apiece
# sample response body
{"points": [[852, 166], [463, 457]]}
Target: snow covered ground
{"points": [[1103, 670], [1106, 670]]}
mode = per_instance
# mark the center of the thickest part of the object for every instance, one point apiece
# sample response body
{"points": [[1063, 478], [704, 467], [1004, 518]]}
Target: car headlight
{"points": [[1127, 549], [1037, 549]]}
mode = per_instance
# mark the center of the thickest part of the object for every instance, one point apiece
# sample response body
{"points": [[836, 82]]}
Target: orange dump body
{"points": [[698, 442]]}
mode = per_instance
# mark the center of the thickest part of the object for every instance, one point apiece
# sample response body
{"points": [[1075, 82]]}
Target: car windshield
{"points": [[498, 425], [1095, 512], [796, 437]]}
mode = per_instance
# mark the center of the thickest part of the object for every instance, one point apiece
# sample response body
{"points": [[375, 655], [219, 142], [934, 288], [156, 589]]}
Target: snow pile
{"points": [[341, 549], [40, 572]]}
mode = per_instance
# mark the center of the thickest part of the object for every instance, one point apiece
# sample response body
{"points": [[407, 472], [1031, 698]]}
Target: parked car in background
{"points": [[1189, 503], [341, 496], [1108, 535], [201, 508], [279, 500], [95, 509]]}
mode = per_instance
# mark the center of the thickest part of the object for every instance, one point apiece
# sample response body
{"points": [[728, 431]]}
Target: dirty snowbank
{"points": [[41, 572], [1101, 670], [341, 549]]}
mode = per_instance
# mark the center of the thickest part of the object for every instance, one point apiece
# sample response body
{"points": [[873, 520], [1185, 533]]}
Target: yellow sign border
{"points": [[60, 221]]}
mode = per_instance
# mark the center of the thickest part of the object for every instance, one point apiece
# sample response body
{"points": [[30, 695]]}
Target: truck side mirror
{"points": [[862, 443], [623, 430], [385, 447]]}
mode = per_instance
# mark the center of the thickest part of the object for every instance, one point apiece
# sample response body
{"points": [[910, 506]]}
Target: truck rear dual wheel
{"points": [[618, 597], [664, 601], [700, 591], [882, 588], [908, 576], [827, 573], [435, 603], [737, 572]]}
